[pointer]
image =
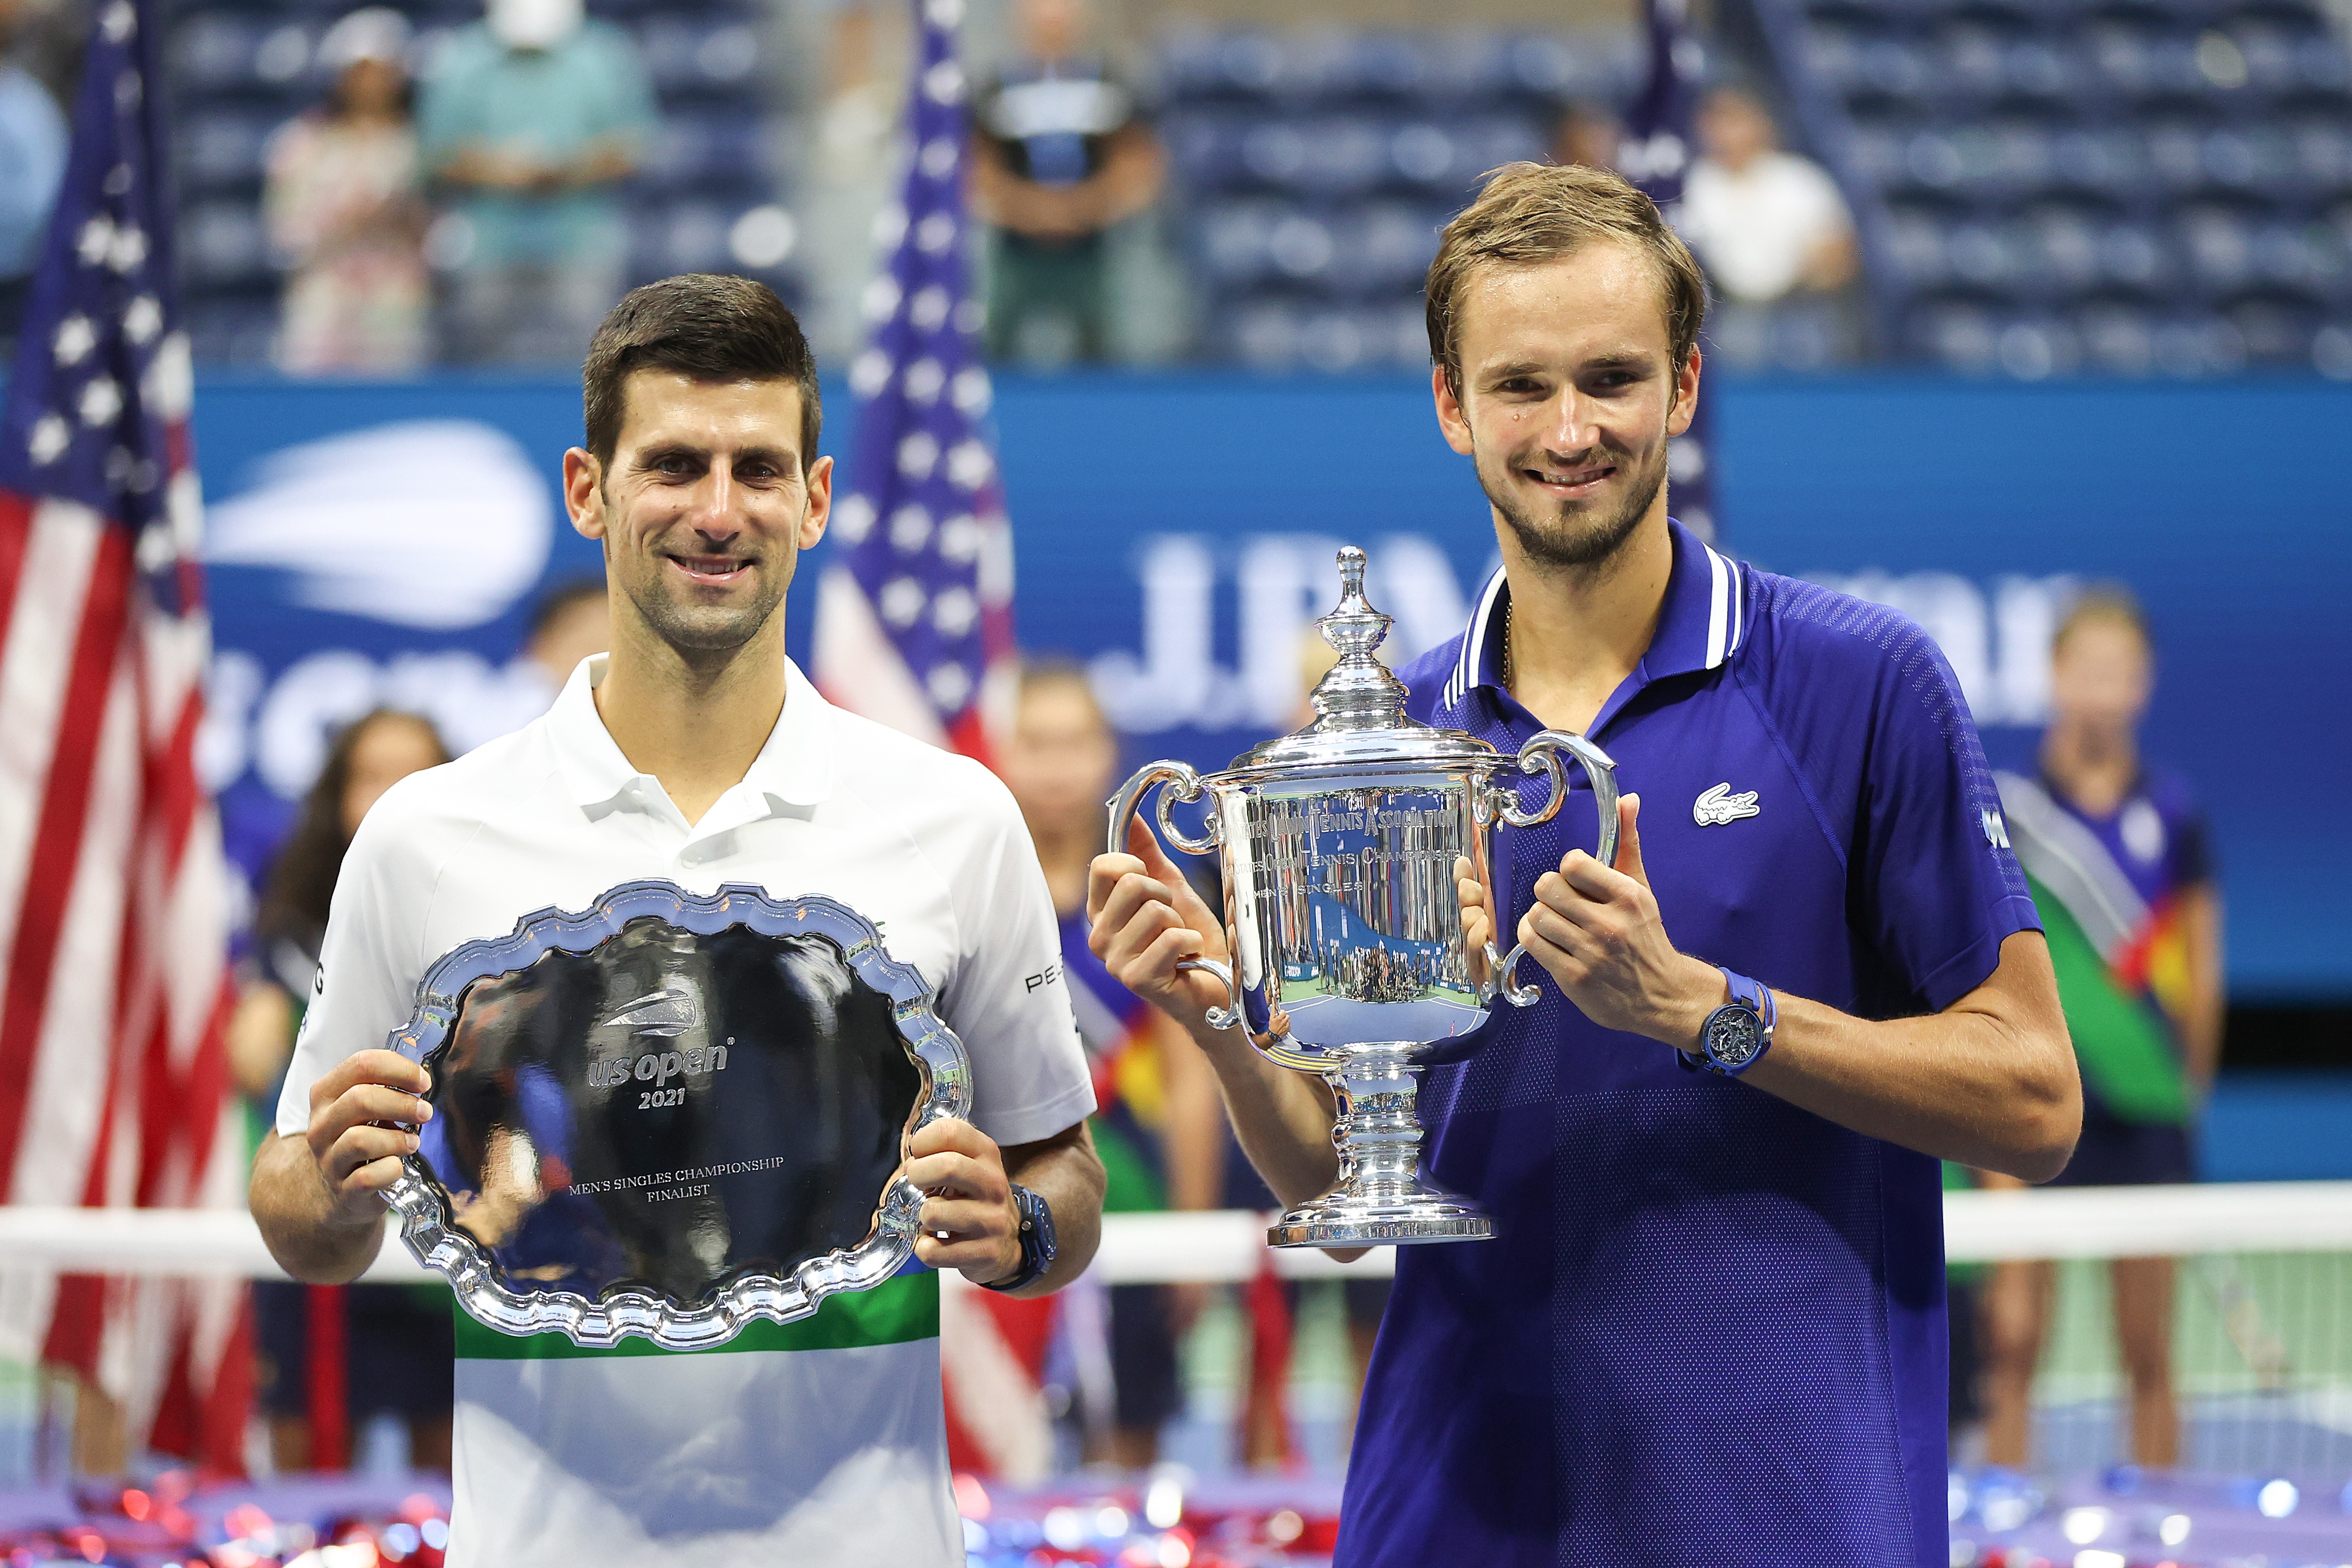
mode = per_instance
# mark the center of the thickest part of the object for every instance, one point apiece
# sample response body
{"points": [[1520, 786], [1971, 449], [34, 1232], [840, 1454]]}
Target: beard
{"points": [[700, 629], [1575, 537]]}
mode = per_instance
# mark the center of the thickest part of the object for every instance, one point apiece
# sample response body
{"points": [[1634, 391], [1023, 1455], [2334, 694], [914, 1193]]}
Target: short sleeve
{"points": [[448, 107], [1935, 887], [626, 96], [1009, 1000], [368, 965], [1825, 201], [2192, 847]]}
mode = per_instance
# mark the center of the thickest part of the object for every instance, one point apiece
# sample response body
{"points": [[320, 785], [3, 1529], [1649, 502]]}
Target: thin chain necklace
{"points": [[1506, 645]]}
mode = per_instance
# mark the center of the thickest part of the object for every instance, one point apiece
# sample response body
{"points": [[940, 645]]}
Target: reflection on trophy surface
{"points": [[668, 1110], [1340, 846]]}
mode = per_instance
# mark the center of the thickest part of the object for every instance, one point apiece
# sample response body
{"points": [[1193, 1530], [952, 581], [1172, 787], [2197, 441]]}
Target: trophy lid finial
{"points": [[1360, 692]]}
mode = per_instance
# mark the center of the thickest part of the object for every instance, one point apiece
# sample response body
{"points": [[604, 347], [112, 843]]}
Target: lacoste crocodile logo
{"points": [[1719, 805], [668, 1011]]}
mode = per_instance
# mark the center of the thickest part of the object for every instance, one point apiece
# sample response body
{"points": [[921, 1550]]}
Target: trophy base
{"points": [[1390, 1224]]}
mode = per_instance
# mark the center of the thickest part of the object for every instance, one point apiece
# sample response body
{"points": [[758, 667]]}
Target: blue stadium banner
{"points": [[384, 543]]}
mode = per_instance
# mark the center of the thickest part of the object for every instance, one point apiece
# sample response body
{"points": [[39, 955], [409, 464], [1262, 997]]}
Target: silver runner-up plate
{"points": [[671, 1116]]}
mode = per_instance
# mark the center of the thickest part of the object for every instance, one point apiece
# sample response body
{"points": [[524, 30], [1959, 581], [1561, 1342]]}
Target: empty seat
{"points": [[219, 150], [1385, 249], [221, 243], [717, 53], [710, 150]]}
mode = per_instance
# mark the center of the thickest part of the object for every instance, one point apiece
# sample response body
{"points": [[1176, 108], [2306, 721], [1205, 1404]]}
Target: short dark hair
{"points": [[705, 326]]}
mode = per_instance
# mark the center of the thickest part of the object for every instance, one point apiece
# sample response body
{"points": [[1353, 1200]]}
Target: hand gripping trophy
{"points": [[1338, 846]]}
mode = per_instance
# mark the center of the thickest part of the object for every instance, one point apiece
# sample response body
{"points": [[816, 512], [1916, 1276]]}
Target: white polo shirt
{"points": [[815, 1442]]}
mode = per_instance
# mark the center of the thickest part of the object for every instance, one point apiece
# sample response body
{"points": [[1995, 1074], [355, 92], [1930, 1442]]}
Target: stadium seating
{"points": [[2125, 187], [1312, 172], [239, 69]]}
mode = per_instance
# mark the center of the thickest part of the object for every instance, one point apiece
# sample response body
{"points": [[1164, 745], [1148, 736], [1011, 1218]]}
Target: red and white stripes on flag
{"points": [[114, 994], [914, 620], [113, 1069]]}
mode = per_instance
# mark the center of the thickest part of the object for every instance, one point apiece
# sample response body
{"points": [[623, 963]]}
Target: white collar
{"points": [[793, 768]]}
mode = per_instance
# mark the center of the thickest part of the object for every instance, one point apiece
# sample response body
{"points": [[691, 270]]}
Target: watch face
{"points": [[1733, 1036]]}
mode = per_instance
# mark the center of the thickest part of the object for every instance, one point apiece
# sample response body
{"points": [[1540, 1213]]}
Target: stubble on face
{"points": [[1589, 325], [1573, 536], [705, 588], [671, 611]]}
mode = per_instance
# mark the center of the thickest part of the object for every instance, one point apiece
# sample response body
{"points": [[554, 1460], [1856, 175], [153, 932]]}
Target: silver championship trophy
{"points": [[1352, 958], [671, 1115]]}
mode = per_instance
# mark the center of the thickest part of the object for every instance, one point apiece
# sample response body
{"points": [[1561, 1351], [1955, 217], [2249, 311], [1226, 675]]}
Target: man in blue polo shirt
{"points": [[1711, 1330]]}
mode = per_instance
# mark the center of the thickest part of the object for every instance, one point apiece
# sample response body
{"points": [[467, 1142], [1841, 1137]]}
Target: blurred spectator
{"points": [[534, 118], [2117, 855], [1775, 236], [395, 1341], [346, 212], [32, 162], [856, 53], [1160, 1125], [1588, 135], [1061, 153], [571, 620]]}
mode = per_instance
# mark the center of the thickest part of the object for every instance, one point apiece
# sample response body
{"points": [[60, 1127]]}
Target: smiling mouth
{"points": [[1572, 481], [714, 570]]}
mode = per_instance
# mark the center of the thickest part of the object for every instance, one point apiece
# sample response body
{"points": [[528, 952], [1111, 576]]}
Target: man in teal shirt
{"points": [[534, 117]]}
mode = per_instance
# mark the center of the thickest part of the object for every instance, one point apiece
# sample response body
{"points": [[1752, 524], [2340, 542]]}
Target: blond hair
{"points": [[1533, 213], [2108, 603]]}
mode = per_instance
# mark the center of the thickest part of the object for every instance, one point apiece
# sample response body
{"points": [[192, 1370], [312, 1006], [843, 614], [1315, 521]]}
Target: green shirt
{"points": [[547, 104]]}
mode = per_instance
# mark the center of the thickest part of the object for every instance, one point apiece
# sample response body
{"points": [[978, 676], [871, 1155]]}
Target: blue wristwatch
{"points": [[1037, 1247], [1736, 1034]]}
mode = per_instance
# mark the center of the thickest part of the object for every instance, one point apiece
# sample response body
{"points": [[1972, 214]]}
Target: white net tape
{"points": [[2261, 1318], [2266, 1217]]}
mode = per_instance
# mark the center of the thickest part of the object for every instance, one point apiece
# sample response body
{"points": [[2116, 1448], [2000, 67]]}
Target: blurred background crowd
{"points": [[2087, 191], [2135, 187]]}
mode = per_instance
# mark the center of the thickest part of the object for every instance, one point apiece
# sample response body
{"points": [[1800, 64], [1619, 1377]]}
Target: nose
{"points": [[717, 509], [1571, 423]]}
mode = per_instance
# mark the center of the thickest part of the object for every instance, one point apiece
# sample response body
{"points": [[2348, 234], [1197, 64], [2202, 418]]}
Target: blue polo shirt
{"points": [[1711, 1327]]}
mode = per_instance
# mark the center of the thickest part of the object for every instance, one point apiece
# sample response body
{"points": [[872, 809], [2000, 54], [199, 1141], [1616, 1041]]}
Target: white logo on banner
{"points": [[1997, 639], [1281, 583], [281, 729], [435, 523]]}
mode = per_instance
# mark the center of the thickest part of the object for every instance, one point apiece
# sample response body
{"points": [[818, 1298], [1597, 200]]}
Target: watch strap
{"points": [[1745, 993], [1038, 1249]]}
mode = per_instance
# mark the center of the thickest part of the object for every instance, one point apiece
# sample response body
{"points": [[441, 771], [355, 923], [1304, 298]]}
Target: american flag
{"points": [[114, 1086], [1656, 154], [914, 619]]}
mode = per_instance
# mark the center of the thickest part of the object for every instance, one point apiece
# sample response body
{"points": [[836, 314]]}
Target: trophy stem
{"points": [[1381, 1197]]}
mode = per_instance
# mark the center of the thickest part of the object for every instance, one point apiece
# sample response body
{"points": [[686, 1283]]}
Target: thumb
{"points": [[1628, 838], [1144, 845]]}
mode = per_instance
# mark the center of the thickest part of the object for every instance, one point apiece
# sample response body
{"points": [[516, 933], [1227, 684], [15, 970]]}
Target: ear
{"points": [[1686, 395], [583, 492], [820, 502], [1451, 420]]}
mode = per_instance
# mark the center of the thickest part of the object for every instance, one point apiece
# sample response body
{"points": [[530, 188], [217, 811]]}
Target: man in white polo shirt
{"points": [[696, 753]]}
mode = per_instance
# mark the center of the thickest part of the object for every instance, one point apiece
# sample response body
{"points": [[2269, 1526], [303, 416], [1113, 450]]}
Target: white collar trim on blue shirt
{"points": [[1689, 638]]}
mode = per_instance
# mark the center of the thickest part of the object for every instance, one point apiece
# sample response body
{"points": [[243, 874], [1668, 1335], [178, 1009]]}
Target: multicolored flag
{"points": [[2121, 959], [114, 1086], [1655, 155], [914, 618]]}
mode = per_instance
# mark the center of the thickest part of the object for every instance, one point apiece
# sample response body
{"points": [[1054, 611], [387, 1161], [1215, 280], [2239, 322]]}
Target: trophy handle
{"points": [[1542, 754], [1275, 1044], [1183, 785]]}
